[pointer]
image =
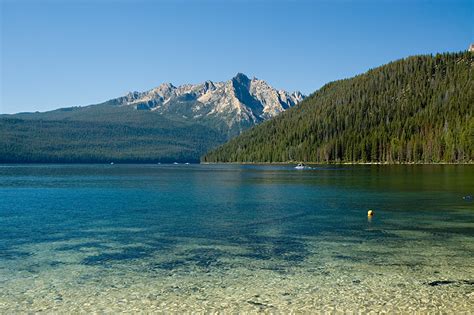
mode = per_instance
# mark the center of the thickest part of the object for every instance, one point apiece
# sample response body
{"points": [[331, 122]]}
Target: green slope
{"points": [[419, 109], [102, 133], [112, 112]]}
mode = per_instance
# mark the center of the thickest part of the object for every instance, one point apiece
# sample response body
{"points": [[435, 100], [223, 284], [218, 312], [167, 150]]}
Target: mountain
{"points": [[419, 109], [238, 102], [164, 124]]}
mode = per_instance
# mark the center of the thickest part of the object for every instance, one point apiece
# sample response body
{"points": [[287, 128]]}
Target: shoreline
{"points": [[233, 163], [340, 163]]}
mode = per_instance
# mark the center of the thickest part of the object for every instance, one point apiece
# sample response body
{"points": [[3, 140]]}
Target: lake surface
{"points": [[108, 238]]}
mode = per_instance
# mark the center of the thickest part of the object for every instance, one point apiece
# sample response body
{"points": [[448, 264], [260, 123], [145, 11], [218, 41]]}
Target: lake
{"points": [[108, 238]]}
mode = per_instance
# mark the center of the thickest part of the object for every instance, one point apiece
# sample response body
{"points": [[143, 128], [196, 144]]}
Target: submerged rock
{"points": [[440, 282]]}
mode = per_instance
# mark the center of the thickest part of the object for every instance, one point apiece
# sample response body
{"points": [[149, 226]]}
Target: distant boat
{"points": [[186, 163], [111, 163], [302, 166], [175, 163]]}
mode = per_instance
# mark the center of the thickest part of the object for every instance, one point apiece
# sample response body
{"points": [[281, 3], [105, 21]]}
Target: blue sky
{"points": [[66, 53]]}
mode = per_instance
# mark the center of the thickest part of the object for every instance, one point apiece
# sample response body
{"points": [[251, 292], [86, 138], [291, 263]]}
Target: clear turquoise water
{"points": [[107, 238]]}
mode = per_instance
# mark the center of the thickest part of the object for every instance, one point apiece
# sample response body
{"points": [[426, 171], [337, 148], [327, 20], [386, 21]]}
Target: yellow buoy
{"points": [[370, 213]]}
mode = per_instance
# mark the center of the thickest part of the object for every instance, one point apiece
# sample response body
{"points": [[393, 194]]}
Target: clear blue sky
{"points": [[66, 53]]}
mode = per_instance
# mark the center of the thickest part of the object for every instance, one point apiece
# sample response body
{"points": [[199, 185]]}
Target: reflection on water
{"points": [[250, 238]]}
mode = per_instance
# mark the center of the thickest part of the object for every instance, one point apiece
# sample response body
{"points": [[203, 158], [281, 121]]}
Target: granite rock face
{"points": [[237, 102]]}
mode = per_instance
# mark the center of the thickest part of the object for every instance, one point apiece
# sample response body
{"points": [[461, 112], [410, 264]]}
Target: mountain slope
{"points": [[63, 141], [229, 107], [165, 124], [419, 109]]}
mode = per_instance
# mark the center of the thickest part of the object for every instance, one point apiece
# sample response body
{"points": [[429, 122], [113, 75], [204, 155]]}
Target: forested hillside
{"points": [[419, 109], [134, 137]]}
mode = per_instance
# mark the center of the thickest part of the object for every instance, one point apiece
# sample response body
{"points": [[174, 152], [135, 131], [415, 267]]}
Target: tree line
{"points": [[415, 110]]}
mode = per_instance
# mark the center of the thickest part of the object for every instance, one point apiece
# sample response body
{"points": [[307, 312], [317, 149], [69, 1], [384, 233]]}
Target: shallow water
{"points": [[108, 238]]}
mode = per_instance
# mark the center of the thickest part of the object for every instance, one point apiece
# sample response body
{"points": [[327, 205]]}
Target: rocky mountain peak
{"points": [[163, 88], [238, 101], [241, 78]]}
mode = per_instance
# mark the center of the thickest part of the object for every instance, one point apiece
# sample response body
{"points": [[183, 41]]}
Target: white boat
{"points": [[186, 163], [175, 163], [302, 166]]}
